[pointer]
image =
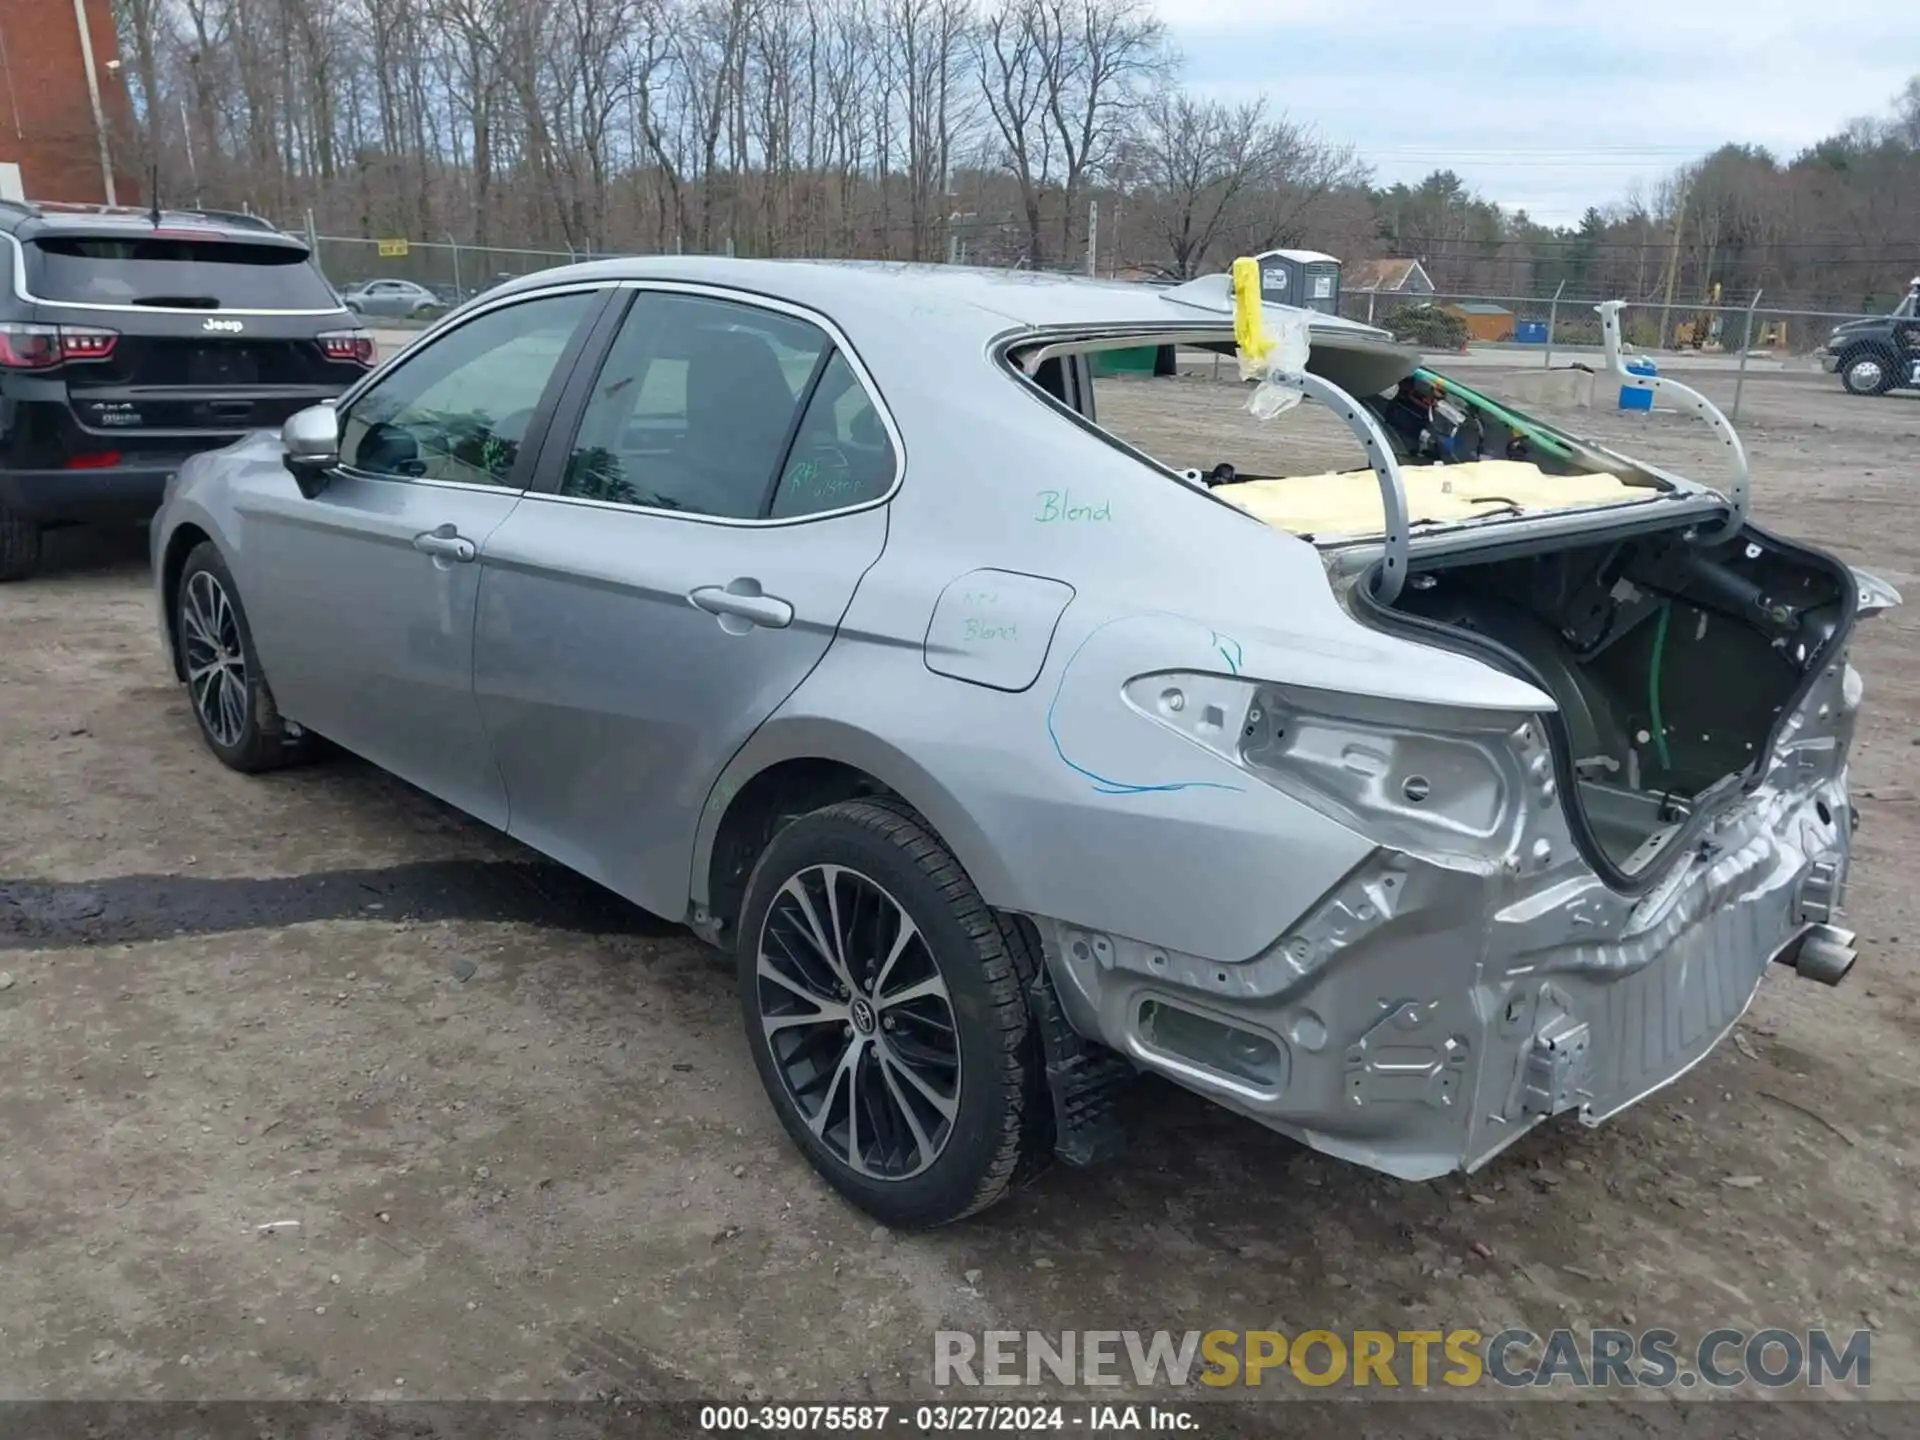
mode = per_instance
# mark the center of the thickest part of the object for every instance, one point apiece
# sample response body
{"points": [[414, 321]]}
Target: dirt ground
{"points": [[509, 1143]]}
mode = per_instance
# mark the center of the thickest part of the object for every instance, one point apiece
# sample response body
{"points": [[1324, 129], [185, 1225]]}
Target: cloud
{"points": [[1566, 108]]}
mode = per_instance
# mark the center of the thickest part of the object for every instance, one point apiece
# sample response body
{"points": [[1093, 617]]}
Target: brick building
{"points": [[48, 124]]}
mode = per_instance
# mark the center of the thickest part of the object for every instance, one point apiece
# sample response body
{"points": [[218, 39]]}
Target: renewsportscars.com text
{"points": [[1512, 1358]]}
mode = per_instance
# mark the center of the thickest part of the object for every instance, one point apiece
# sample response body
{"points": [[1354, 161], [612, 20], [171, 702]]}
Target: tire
{"points": [[919, 1165], [246, 731], [1867, 372], [19, 546]]}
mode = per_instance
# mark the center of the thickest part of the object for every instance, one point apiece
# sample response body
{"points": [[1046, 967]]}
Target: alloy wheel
{"points": [[859, 1022], [216, 661], [1865, 374]]}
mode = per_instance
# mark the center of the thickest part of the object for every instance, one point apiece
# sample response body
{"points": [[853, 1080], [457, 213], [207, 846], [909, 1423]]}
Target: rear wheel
{"points": [[886, 1009], [1866, 372], [19, 545], [229, 694]]}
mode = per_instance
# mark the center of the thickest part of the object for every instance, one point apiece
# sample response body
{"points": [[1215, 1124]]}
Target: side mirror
{"points": [[310, 446]]}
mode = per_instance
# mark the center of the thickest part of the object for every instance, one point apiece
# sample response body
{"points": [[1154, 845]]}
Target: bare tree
{"points": [[1011, 56], [149, 25], [861, 126], [1905, 125], [1096, 56], [1220, 180], [928, 38]]}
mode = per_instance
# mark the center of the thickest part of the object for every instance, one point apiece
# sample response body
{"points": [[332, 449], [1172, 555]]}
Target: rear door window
{"points": [[162, 271], [841, 454], [694, 406]]}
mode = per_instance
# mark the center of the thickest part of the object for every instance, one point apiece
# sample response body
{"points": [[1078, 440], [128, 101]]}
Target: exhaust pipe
{"points": [[1821, 952]]}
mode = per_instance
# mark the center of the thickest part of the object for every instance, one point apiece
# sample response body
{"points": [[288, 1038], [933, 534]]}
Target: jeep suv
{"points": [[131, 339]]}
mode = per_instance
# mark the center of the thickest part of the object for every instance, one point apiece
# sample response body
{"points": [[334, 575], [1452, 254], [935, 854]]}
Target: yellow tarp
{"points": [[1348, 502]]}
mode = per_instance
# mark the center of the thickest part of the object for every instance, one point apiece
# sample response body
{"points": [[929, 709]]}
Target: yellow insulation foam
{"points": [[1348, 502]]}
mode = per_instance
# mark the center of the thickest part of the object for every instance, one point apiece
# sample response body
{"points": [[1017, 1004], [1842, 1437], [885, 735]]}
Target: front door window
{"points": [[458, 410]]}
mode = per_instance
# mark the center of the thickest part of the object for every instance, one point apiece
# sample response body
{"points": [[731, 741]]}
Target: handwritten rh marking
{"points": [[807, 475], [1057, 505]]}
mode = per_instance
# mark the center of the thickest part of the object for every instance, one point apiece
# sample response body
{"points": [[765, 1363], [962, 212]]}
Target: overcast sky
{"points": [[1547, 106]]}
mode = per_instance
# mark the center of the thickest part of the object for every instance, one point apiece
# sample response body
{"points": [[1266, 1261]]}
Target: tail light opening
{"points": [[353, 345], [99, 460], [40, 347]]}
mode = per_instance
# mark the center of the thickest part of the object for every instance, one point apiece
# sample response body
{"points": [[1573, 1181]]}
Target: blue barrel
{"points": [[1632, 399], [1531, 332]]}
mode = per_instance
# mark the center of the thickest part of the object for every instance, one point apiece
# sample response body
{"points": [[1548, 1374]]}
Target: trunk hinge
{"points": [[1393, 491], [1690, 400]]}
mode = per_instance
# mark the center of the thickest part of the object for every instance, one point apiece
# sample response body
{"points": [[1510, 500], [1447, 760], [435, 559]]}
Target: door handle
{"points": [[743, 603], [445, 543]]}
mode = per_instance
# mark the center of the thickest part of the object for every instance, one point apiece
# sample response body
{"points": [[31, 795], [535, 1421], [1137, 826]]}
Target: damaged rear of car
{"points": [[1572, 897]]}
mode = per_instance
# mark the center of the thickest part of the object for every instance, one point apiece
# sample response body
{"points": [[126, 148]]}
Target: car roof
{"points": [[856, 293], [27, 219]]}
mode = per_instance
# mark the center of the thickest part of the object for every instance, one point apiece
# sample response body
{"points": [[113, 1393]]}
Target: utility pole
{"points": [[1673, 262], [193, 169], [1553, 319], [93, 95], [1093, 233], [1746, 344]]}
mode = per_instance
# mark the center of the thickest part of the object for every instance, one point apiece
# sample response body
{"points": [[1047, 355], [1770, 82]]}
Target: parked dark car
{"points": [[131, 339], [1878, 353]]}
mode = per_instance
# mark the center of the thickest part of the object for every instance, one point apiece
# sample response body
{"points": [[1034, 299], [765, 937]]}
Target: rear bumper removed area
{"points": [[1427, 1013]]}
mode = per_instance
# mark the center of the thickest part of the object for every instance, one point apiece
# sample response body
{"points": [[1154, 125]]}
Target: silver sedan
{"points": [[402, 298], [1022, 713]]}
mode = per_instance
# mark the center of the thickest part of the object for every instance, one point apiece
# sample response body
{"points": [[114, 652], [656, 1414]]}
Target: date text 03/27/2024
{"points": [[945, 1419]]}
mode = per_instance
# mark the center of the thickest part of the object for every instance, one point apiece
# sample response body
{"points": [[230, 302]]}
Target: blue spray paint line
{"points": [[1101, 784]]}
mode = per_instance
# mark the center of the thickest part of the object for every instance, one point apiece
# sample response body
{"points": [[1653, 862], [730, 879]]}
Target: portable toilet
{"points": [[1305, 278]]}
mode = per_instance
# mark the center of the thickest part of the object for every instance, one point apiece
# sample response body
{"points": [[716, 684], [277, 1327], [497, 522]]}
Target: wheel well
{"points": [[1871, 346], [180, 544], [768, 802]]}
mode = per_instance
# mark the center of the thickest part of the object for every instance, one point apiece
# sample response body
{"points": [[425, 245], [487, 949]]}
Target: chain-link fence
{"points": [[1740, 336], [456, 272], [453, 272], [1548, 322], [1552, 325]]}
